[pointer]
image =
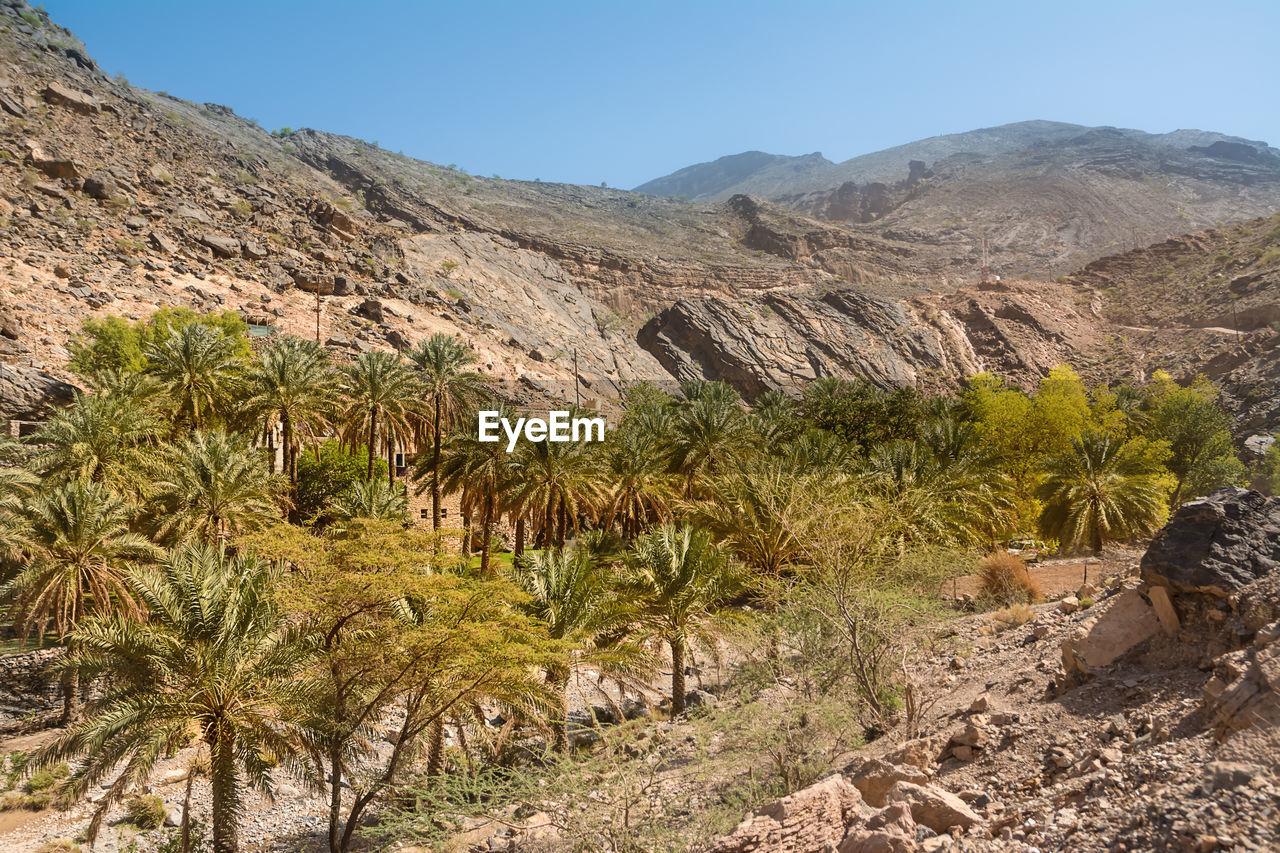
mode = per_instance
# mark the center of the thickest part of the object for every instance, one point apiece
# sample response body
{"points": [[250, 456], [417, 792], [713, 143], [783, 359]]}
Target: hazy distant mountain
{"points": [[1048, 196], [775, 176]]}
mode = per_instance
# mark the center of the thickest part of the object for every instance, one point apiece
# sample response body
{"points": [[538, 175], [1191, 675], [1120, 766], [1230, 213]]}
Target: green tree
{"points": [[214, 662], [109, 344], [378, 391], [554, 484], [570, 593], [79, 551], [293, 386], [1102, 489], [641, 490], [405, 640], [213, 485], [106, 438], [1270, 468], [480, 471], [450, 391], [709, 432], [938, 499], [677, 577], [199, 370], [1201, 453], [328, 474], [373, 499]]}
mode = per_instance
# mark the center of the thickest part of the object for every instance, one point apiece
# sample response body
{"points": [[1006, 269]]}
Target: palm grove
{"points": [[278, 614]]}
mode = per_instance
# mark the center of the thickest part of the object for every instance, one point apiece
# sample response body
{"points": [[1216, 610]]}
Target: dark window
{"points": [[424, 513]]}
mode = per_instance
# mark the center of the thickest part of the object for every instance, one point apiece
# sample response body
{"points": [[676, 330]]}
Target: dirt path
{"points": [[1057, 577]]}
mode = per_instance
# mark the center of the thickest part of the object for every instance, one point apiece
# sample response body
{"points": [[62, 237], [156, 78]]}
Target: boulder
{"points": [[700, 699], [101, 186], [891, 830], [921, 752], [875, 777], [223, 247], [254, 251], [29, 394], [1102, 640], [1216, 544], [814, 818], [370, 309], [59, 168], [933, 807], [56, 93], [163, 242]]}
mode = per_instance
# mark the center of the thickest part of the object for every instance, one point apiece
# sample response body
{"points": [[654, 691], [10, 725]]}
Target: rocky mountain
{"points": [[118, 200], [1049, 196]]}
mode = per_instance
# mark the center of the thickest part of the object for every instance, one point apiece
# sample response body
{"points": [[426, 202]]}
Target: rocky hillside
{"points": [[118, 200], [1049, 196]]}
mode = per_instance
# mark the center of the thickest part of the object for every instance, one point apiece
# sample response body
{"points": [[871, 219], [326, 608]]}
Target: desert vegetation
{"points": [[220, 539]]}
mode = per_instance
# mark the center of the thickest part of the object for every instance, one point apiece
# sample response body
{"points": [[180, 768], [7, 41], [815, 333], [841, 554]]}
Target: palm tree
{"points": [[747, 511], [213, 486], [570, 594], [937, 499], [373, 499], [292, 385], [379, 391], [677, 577], [199, 369], [642, 491], [214, 663], [16, 485], [558, 482], [450, 391], [1101, 489], [79, 553], [105, 438], [480, 470], [710, 431]]}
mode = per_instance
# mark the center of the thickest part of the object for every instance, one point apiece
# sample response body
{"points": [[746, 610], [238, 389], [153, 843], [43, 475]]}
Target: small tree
{"points": [[678, 577]]}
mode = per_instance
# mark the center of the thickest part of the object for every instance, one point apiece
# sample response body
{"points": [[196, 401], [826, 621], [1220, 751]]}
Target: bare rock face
{"points": [[1217, 544], [28, 394], [811, 819], [783, 340]]}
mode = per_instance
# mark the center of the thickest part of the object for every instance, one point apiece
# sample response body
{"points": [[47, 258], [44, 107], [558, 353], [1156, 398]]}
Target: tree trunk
{"points": [[677, 677], [435, 747], [335, 796], [391, 459], [486, 534], [226, 799], [560, 726], [435, 466], [373, 434], [70, 696], [519, 549], [185, 842]]}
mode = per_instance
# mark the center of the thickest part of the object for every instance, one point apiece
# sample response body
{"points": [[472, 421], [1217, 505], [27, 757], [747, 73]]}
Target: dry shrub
{"points": [[1005, 579], [1013, 616]]}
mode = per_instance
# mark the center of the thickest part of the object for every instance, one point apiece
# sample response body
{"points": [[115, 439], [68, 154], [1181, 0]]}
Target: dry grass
{"points": [[1005, 579], [1013, 616]]}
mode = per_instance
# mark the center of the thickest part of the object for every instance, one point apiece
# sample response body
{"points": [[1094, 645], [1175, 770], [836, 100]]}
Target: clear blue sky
{"points": [[627, 91]]}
